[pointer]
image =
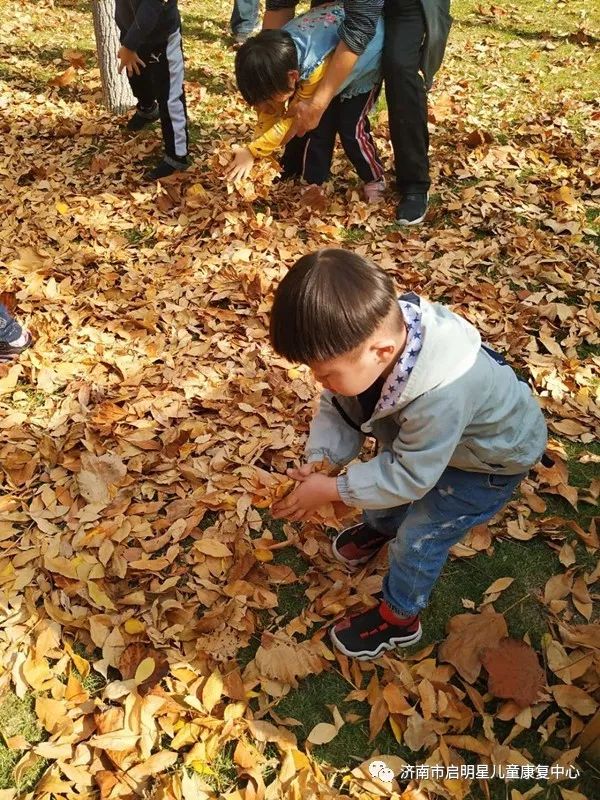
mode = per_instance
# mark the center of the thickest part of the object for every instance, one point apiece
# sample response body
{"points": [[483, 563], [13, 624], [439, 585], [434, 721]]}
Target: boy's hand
{"points": [[129, 60], [241, 164], [315, 490]]}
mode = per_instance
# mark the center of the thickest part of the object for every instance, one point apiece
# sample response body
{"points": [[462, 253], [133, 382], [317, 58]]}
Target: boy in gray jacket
{"points": [[456, 430]]}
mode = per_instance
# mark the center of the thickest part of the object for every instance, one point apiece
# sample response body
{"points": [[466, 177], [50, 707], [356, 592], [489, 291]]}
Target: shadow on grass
{"points": [[515, 32]]}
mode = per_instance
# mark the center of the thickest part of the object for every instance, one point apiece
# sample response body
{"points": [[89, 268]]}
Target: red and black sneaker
{"points": [[372, 633], [9, 352], [358, 544]]}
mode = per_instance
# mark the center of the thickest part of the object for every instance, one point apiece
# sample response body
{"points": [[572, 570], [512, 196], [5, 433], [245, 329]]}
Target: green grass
{"points": [[18, 718]]}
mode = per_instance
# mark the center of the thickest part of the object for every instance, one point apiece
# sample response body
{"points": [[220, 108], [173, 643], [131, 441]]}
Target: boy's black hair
{"points": [[262, 64], [328, 304]]}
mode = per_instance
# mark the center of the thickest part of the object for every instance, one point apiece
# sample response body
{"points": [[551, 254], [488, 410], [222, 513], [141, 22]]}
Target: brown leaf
{"points": [[468, 636], [574, 699], [514, 671], [286, 660], [477, 138], [65, 78], [134, 655]]}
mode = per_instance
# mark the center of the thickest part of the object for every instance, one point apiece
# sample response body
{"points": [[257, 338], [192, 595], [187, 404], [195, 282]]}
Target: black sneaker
{"points": [[374, 632], [358, 544], [412, 209], [143, 117], [9, 352], [165, 168]]}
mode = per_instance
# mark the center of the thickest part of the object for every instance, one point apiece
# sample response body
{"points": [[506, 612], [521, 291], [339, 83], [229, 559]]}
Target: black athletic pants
{"points": [[405, 93], [310, 156], [162, 80]]}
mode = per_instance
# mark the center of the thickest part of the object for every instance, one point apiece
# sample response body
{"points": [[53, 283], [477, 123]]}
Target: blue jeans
{"points": [[244, 17], [9, 327], [426, 530]]}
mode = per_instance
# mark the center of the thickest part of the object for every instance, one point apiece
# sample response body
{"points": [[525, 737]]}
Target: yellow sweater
{"points": [[271, 129]]}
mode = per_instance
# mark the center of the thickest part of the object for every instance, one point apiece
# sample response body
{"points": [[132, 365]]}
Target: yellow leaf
{"points": [[197, 190], [262, 554], [294, 373], [115, 740], [499, 585], [212, 691], [62, 207], [300, 760], [100, 598], [158, 762], [396, 730], [201, 768], [322, 733], [565, 195], [82, 666], [212, 547], [133, 626], [144, 670]]}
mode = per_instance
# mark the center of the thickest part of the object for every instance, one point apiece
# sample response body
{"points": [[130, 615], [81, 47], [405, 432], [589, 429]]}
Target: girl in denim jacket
{"points": [[277, 67]]}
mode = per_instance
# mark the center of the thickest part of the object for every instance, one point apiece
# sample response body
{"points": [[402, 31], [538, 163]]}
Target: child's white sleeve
{"points": [[331, 437]]}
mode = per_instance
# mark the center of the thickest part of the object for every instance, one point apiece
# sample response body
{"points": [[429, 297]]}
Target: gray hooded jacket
{"points": [[459, 408]]}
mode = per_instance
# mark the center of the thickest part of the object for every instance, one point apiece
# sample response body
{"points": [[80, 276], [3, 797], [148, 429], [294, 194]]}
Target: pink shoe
{"points": [[373, 191]]}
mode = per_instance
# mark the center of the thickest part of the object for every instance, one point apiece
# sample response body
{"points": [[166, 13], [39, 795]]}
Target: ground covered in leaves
{"points": [[160, 635]]}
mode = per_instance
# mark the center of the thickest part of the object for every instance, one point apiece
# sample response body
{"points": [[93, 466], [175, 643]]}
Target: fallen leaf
{"points": [[574, 699], [468, 636], [514, 672]]}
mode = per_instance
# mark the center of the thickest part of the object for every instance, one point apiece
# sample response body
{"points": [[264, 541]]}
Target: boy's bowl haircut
{"points": [[328, 304]]}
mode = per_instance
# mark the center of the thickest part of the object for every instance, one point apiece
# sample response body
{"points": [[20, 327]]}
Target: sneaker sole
{"points": [[384, 647], [6, 358], [418, 221], [409, 222]]}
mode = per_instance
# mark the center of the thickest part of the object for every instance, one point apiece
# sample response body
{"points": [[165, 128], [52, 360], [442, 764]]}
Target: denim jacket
{"points": [[316, 35]]}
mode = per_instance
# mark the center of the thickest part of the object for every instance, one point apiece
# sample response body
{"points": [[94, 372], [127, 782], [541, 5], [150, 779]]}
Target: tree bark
{"points": [[118, 96]]}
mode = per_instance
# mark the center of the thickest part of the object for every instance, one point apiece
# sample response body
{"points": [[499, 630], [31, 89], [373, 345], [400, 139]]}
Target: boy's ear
{"points": [[384, 348], [293, 78]]}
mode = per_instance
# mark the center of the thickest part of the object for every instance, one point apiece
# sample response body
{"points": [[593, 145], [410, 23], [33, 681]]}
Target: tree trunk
{"points": [[118, 96]]}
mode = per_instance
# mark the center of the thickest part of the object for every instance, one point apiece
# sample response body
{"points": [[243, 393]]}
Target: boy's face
{"points": [[352, 373]]}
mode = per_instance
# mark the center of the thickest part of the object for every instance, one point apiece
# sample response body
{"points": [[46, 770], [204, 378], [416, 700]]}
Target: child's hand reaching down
{"points": [[315, 490], [130, 61], [241, 164]]}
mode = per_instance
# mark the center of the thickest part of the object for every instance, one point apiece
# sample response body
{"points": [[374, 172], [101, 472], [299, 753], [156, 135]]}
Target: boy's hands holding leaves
{"points": [[315, 489], [130, 61], [241, 164]]}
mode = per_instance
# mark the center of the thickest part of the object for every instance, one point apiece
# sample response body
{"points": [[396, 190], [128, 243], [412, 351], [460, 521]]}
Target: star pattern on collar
{"points": [[397, 380]]}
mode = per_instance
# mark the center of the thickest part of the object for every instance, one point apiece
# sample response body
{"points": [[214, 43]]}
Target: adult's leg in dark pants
{"points": [[355, 134], [320, 142], [405, 93]]}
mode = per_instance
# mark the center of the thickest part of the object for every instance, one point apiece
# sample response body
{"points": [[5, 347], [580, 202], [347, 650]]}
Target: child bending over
{"points": [[456, 430], [277, 67]]}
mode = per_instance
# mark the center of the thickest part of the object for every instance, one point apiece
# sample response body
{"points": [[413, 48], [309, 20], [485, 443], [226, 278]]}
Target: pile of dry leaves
{"points": [[146, 433]]}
